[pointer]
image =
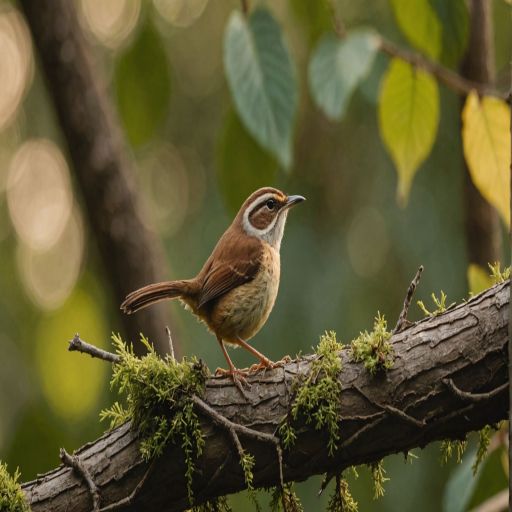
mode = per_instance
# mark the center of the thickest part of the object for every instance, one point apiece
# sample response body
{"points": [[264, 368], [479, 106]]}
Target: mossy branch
{"points": [[407, 406]]}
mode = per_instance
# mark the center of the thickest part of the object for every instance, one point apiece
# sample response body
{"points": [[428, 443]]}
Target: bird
{"points": [[235, 290]]}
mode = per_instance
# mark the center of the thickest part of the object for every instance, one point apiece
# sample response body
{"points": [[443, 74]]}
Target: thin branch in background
{"points": [[245, 6], [402, 322], [74, 462], [444, 75]]}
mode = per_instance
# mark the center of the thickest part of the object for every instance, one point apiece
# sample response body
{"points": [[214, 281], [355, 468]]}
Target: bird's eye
{"points": [[271, 204]]}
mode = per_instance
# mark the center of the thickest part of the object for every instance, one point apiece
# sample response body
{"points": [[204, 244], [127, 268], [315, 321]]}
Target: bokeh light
{"points": [[71, 382], [50, 276], [110, 22], [164, 179], [39, 193], [16, 62], [368, 242], [181, 13]]}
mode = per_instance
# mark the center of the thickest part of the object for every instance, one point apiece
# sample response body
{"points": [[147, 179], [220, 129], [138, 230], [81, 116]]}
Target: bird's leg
{"points": [[238, 376], [264, 363]]}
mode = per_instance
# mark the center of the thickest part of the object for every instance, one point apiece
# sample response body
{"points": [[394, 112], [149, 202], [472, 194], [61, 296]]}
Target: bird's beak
{"points": [[293, 200]]}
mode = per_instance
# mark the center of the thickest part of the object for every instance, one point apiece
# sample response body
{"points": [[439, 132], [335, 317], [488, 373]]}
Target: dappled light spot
{"points": [[110, 22], [71, 383], [39, 194], [181, 13], [368, 242], [164, 179], [16, 64], [50, 276]]}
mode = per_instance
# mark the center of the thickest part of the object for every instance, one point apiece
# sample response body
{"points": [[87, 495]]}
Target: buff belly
{"points": [[243, 311]]}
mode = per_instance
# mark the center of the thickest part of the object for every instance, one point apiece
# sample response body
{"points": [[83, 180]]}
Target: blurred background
{"points": [[348, 252]]}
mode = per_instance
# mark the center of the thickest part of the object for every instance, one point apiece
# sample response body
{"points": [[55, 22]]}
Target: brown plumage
{"points": [[235, 290]]}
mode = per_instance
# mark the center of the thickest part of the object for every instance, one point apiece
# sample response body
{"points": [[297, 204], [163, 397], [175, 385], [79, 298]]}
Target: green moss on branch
{"points": [[12, 498]]}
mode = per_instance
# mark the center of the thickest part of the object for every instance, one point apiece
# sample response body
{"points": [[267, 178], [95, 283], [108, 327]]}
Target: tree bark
{"points": [[482, 221], [449, 377], [130, 253]]}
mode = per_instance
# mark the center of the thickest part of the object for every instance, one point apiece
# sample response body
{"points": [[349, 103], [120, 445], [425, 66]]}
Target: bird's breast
{"points": [[244, 310]]}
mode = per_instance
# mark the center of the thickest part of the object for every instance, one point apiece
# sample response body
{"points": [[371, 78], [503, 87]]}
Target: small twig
{"points": [[123, 502], [467, 396], [402, 322], [171, 345], [337, 22], [403, 415], [234, 429], [77, 465], [77, 344]]}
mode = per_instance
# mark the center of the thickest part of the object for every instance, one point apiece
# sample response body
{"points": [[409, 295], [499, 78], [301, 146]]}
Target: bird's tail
{"points": [[154, 293]]}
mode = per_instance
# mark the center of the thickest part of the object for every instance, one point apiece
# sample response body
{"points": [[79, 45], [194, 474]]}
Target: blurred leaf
{"points": [[243, 166], [461, 485], [486, 142], [408, 119], [142, 84], [71, 383], [337, 67], [262, 80], [454, 17], [314, 16], [420, 24], [478, 279]]}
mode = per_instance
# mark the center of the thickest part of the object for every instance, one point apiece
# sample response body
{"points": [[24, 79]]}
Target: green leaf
{"points": [[461, 485], [486, 143], [454, 17], [408, 119], [337, 67], [262, 80], [420, 24], [242, 166], [142, 84]]}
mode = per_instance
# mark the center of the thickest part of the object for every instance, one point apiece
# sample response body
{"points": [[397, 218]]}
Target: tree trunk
{"points": [[482, 221], [449, 378], [130, 253]]}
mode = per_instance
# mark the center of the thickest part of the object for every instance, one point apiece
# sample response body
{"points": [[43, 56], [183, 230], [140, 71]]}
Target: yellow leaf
{"points": [[408, 119], [486, 141], [478, 278]]}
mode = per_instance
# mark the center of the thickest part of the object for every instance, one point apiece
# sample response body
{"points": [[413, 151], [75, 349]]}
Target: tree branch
{"points": [[446, 76], [130, 253], [467, 344]]}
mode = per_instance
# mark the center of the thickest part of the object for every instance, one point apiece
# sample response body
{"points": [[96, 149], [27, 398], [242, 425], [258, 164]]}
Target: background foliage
{"points": [[214, 104]]}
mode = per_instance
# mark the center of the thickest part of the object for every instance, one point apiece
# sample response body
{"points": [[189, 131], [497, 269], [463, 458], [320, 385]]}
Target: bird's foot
{"points": [[267, 364], [238, 377]]}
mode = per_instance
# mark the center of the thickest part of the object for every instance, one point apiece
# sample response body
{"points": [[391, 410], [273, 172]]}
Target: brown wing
{"points": [[235, 260]]}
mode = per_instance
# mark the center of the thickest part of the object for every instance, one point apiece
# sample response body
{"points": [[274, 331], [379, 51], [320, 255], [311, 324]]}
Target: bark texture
{"points": [[130, 253], [482, 221], [409, 406]]}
